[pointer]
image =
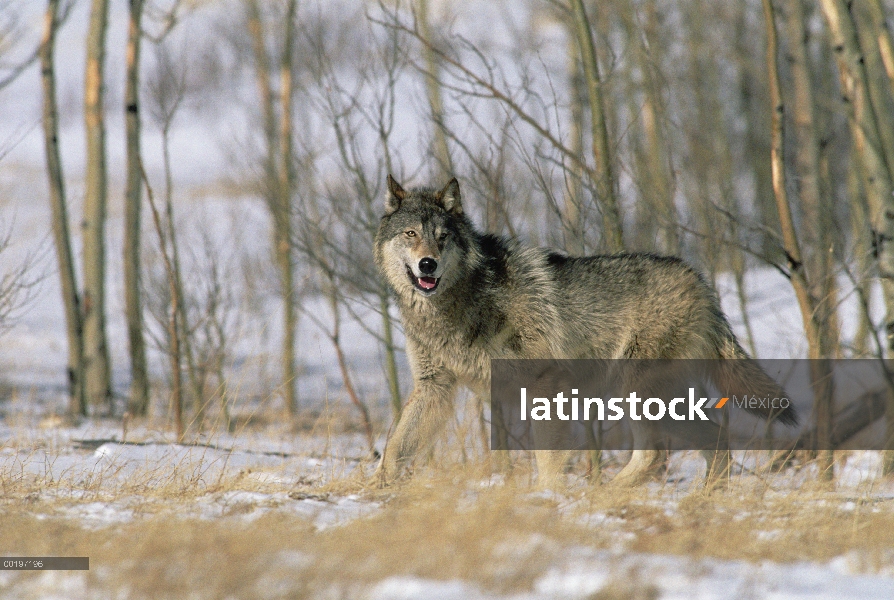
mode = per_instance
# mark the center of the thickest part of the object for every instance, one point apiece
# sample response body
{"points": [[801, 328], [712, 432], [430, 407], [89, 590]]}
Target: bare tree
{"points": [[381, 119], [882, 32], [870, 24], [751, 89], [173, 321], [17, 284], [573, 226], [433, 91], [330, 290], [874, 172], [521, 104], [215, 328], [865, 265], [97, 371], [605, 179], [284, 251], [797, 270], [13, 28], [818, 210], [168, 91], [70, 298], [139, 386], [346, 262], [278, 180], [656, 164]]}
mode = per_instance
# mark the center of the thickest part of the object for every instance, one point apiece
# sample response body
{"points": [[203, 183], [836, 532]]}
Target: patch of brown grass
{"points": [[801, 525], [444, 524], [163, 557]]}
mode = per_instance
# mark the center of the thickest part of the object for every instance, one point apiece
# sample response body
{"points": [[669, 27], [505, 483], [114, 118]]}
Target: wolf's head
{"points": [[423, 238]]}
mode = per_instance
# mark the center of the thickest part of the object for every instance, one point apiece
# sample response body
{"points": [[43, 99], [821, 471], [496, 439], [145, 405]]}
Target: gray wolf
{"points": [[467, 297]]}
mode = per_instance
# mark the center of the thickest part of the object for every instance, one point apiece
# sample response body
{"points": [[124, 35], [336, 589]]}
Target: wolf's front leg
{"points": [[427, 410], [550, 463], [645, 461]]}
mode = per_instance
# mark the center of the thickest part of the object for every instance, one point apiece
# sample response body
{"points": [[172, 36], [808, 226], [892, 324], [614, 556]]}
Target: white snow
{"points": [[414, 588]]}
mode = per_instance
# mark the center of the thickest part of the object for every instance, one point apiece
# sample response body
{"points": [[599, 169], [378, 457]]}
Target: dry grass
{"points": [[453, 520], [442, 524]]}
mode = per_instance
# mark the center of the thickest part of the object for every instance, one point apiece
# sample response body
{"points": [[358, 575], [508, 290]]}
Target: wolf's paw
{"points": [[381, 481], [643, 467], [385, 476], [631, 479]]}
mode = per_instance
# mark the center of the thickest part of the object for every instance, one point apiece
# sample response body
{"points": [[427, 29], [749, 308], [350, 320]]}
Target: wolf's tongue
{"points": [[427, 282]]}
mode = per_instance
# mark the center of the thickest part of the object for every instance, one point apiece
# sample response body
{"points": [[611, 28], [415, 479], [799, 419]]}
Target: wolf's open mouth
{"points": [[426, 285]]}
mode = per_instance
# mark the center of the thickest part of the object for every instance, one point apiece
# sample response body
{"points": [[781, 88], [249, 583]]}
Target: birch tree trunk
{"points": [[752, 94], [703, 149], [139, 384], [276, 195], [870, 27], [605, 182], [864, 263], [883, 35], [874, 171], [283, 218], [96, 354], [571, 219], [433, 90], [62, 238], [654, 119], [817, 208], [797, 269]]}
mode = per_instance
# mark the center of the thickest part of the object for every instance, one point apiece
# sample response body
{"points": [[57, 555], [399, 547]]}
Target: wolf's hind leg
{"points": [[642, 466], [427, 410]]}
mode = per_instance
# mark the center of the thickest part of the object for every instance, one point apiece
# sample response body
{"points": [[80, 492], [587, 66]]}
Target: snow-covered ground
{"points": [[79, 476]]}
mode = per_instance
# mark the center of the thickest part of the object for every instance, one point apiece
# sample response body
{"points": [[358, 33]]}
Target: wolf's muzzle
{"points": [[426, 282], [427, 266]]}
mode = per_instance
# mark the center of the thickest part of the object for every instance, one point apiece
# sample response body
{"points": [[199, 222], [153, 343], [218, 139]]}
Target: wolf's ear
{"points": [[394, 197], [449, 198]]}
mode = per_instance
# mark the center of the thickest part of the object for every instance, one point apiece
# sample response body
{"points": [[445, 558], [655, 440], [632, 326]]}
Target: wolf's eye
{"points": [[443, 236], [410, 233]]}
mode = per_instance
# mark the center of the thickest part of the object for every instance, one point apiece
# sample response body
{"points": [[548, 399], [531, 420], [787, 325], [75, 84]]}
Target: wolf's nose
{"points": [[427, 266]]}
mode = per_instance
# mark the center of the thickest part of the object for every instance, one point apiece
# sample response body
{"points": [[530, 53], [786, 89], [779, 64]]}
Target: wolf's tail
{"points": [[740, 375]]}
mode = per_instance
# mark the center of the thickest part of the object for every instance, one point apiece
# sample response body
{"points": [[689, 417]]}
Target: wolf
{"points": [[467, 297]]}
